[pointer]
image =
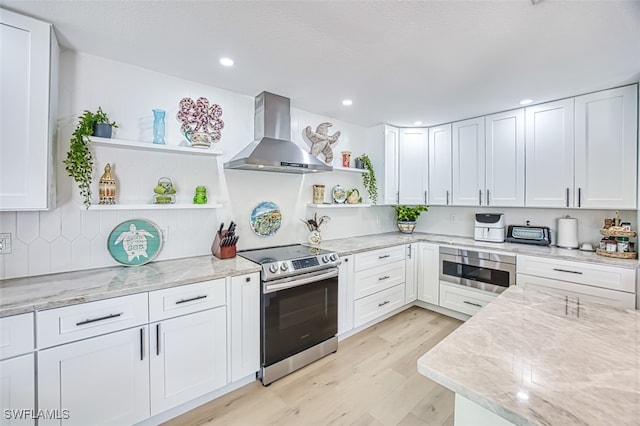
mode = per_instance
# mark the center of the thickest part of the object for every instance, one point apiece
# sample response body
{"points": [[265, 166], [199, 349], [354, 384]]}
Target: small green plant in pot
{"points": [[407, 216], [369, 178], [79, 161]]}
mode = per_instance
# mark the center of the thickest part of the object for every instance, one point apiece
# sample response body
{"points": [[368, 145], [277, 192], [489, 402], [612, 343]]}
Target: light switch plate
{"points": [[5, 243]]}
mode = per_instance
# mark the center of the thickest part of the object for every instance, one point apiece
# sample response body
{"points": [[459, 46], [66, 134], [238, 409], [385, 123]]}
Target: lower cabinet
{"points": [[345, 295], [244, 312], [463, 299], [411, 282], [428, 272], [371, 307], [17, 390], [103, 380]]}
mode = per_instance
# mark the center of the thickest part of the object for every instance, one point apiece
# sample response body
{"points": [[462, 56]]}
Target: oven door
{"points": [[488, 275], [298, 313]]}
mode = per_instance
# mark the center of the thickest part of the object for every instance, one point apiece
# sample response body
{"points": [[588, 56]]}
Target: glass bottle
{"points": [[158, 126]]}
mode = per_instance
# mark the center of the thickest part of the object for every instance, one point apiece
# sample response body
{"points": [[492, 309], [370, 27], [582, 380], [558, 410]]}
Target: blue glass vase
{"points": [[158, 126]]}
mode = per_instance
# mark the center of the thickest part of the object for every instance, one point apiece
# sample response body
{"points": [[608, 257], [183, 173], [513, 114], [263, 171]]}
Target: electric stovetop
{"points": [[281, 253]]}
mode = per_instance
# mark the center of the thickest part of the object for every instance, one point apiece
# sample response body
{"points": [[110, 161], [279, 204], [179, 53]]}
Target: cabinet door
{"points": [[428, 267], [103, 380], [391, 188], [27, 112], [345, 295], [245, 325], [606, 149], [549, 154], [440, 165], [17, 390], [412, 166], [504, 151], [411, 284], [468, 163], [188, 358]]}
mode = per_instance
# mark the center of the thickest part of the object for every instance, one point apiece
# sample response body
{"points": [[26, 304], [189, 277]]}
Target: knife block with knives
{"points": [[224, 244]]}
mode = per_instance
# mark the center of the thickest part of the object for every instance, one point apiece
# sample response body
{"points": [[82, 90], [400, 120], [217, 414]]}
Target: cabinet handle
{"points": [[346, 259], [398, 197], [474, 304], [567, 271], [447, 197], [158, 339], [384, 257], [409, 246], [579, 197], [567, 197], [487, 197], [383, 303], [191, 299], [106, 317], [425, 197], [142, 344], [479, 197], [386, 277]]}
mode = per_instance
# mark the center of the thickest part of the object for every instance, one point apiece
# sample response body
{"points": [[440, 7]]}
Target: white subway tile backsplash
{"points": [[28, 226], [61, 255], [81, 253], [39, 257], [16, 264], [8, 222], [90, 224], [50, 225], [71, 223]]}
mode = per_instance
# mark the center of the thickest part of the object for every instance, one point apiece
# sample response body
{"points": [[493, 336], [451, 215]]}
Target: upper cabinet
{"points": [[606, 125], [468, 163], [549, 153], [440, 165], [390, 178], [412, 169], [28, 82]]}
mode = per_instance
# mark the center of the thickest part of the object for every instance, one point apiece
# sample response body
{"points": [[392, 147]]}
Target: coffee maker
{"points": [[489, 227]]}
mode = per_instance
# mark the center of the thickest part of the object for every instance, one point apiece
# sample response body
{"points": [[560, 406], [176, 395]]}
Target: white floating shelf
{"points": [[337, 206], [351, 169], [153, 206], [120, 143]]}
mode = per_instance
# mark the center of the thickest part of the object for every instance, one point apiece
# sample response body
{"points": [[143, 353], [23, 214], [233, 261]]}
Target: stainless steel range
{"points": [[299, 307]]}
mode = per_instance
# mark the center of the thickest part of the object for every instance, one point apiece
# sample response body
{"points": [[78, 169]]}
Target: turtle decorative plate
{"points": [[266, 218], [135, 242]]}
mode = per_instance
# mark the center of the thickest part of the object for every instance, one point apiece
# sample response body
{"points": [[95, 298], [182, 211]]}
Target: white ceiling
{"points": [[433, 61]]}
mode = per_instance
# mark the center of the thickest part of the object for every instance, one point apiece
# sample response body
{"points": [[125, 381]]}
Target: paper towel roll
{"points": [[567, 232]]}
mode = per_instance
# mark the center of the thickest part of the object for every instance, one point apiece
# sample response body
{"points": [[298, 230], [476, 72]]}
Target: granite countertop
{"points": [[535, 358], [21, 295]]}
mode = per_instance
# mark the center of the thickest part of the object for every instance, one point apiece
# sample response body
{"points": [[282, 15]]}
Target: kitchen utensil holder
{"points": [[220, 252]]}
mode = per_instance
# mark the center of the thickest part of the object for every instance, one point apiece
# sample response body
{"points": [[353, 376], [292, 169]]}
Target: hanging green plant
{"points": [[79, 161], [369, 178]]}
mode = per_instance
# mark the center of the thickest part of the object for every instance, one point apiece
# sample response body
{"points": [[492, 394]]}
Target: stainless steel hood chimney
{"points": [[271, 149]]}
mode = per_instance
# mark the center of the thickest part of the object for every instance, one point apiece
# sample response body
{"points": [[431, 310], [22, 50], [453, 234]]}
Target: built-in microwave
{"points": [[488, 271]]}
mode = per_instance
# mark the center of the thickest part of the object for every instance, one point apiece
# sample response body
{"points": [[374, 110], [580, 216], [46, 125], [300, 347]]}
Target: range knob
{"points": [[325, 259], [334, 257], [273, 268], [284, 266]]}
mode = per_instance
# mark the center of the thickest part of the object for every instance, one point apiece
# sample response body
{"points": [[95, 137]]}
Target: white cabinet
{"points": [[464, 299], [428, 272], [468, 180], [244, 308], [440, 165], [28, 83], [390, 175], [103, 380], [606, 125], [504, 153], [412, 166], [345, 294], [549, 154], [411, 280]]}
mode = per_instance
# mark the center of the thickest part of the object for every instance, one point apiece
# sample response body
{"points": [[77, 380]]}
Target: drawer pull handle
{"points": [[89, 321], [383, 303], [384, 257], [191, 299], [158, 337], [568, 271], [142, 344], [386, 277], [474, 304]]}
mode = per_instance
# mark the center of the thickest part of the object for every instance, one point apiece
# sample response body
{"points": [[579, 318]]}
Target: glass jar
{"points": [[626, 226], [611, 245], [623, 244]]}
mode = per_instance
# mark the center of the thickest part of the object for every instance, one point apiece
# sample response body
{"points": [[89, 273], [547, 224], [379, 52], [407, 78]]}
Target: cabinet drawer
{"points": [[463, 299], [584, 292], [16, 335], [62, 325], [380, 278], [371, 307], [620, 279], [378, 257], [186, 299]]}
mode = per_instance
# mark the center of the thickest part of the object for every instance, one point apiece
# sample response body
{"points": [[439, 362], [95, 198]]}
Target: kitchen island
{"points": [[533, 358]]}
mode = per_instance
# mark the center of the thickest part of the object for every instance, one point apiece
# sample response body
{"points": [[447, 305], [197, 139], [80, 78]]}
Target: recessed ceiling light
{"points": [[347, 102], [526, 101], [227, 62], [417, 123]]}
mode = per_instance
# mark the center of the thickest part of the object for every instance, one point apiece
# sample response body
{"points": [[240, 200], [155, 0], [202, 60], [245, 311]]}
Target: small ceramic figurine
{"points": [[107, 187], [201, 195], [164, 192]]}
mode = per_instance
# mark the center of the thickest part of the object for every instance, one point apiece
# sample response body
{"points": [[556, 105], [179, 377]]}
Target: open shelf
{"points": [[337, 206], [121, 143], [153, 206], [350, 169]]}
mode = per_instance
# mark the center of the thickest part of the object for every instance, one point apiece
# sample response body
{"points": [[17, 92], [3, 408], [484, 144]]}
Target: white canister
{"points": [[567, 232]]}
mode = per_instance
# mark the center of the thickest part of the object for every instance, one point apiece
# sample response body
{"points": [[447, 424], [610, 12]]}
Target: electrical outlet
{"points": [[165, 233], [5, 243], [452, 218]]}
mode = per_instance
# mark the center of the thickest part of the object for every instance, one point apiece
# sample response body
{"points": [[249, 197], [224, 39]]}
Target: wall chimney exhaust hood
{"points": [[271, 149]]}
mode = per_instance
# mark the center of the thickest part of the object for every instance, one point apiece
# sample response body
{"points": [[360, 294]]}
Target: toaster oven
{"points": [[539, 235]]}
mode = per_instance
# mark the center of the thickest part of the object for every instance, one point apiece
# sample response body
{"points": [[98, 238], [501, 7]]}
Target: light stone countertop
{"points": [[535, 358]]}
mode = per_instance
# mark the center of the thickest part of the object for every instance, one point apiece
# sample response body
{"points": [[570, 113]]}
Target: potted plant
{"points": [[369, 178], [407, 216], [79, 161]]}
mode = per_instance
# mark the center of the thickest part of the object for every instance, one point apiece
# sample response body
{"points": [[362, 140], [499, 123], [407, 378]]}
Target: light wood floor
{"points": [[371, 380]]}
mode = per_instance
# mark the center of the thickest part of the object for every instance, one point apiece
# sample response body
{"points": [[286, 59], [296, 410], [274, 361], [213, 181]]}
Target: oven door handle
{"points": [[291, 282]]}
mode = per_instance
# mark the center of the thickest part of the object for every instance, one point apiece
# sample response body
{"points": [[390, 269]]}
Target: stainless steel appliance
{"points": [[491, 272], [489, 227], [539, 235], [299, 307]]}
